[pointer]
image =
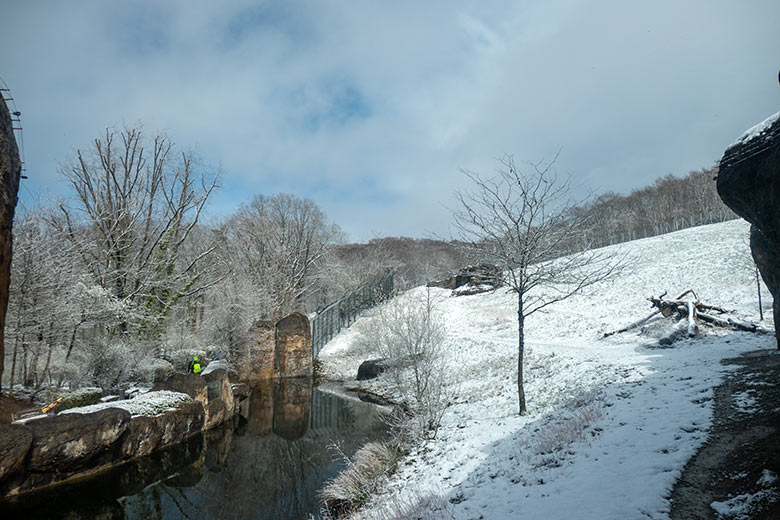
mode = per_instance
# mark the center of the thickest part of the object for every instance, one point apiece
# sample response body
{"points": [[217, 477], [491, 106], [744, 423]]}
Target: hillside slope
{"points": [[611, 422]]}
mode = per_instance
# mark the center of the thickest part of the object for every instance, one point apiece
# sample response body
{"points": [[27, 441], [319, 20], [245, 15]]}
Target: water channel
{"points": [[267, 464]]}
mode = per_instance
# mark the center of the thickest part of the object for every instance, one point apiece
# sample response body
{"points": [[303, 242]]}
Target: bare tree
{"points": [[281, 240], [522, 222], [138, 202]]}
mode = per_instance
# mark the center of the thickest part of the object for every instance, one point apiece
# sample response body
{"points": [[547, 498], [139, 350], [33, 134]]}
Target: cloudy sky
{"points": [[372, 108]]}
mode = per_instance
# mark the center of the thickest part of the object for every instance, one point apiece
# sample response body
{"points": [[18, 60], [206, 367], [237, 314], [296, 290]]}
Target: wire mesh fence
{"points": [[343, 312]]}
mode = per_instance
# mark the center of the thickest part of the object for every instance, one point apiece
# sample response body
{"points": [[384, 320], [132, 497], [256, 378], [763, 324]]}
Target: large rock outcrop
{"points": [[60, 448], [293, 347], [10, 172], [15, 441], [259, 364], [749, 183]]}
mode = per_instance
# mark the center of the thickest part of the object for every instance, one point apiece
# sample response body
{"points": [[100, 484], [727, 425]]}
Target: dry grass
{"points": [[364, 476]]}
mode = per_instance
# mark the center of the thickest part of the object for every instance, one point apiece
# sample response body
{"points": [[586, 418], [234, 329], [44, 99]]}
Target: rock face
{"points": [[370, 369], [10, 171], [261, 350], [69, 443], [293, 347], [15, 441], [749, 183], [220, 393], [191, 384], [56, 448]]}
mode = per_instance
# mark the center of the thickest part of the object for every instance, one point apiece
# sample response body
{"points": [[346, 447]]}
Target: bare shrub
{"points": [[409, 334]]}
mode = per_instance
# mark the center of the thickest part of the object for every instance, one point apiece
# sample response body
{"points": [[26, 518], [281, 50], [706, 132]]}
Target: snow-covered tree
{"points": [[137, 203]]}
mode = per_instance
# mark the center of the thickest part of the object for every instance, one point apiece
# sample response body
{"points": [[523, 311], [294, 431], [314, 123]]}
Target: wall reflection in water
{"points": [[268, 464]]}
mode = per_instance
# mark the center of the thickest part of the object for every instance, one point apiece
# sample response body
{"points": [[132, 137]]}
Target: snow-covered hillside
{"points": [[611, 422]]}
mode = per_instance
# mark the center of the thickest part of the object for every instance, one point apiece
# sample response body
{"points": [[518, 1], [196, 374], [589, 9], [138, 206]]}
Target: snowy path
{"points": [[611, 422]]}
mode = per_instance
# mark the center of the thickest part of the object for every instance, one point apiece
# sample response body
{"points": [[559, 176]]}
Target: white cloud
{"points": [[371, 108]]}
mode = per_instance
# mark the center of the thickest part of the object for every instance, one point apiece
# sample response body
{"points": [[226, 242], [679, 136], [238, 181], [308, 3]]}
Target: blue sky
{"points": [[372, 108]]}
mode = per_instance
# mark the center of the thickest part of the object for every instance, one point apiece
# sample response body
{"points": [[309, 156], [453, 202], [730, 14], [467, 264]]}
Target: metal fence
{"points": [[343, 313]]}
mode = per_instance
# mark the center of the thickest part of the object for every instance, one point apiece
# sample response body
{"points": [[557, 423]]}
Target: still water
{"points": [[268, 464]]}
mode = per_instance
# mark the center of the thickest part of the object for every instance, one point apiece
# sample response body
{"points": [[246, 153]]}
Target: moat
{"points": [[269, 463]]}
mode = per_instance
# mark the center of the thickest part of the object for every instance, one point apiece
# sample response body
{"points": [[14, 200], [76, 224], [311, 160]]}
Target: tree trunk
{"points": [[520, 353], [13, 367]]}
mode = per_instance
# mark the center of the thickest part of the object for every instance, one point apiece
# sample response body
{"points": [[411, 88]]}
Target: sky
{"points": [[373, 109]]}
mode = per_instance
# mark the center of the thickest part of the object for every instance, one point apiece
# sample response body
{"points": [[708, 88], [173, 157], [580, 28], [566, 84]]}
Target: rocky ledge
{"points": [[58, 448]]}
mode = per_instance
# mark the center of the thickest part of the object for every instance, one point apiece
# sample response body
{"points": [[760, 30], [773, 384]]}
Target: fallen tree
{"points": [[688, 314]]}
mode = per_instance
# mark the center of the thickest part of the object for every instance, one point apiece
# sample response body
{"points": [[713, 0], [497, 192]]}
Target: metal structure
{"points": [[342, 313]]}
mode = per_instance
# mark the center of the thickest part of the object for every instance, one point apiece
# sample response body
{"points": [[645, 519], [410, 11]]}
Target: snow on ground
{"points": [[611, 422], [150, 403]]}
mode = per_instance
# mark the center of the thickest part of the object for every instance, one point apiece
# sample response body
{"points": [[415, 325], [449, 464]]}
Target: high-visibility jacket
{"points": [[196, 367]]}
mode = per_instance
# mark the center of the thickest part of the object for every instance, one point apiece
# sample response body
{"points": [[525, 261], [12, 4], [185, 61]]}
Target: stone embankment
{"points": [[60, 448]]}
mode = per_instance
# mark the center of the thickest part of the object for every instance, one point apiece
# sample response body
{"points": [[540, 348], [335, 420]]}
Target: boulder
{"points": [[79, 397], [15, 442], [142, 437], [191, 384], [72, 442], [177, 425], [371, 369], [749, 184], [293, 347], [215, 365]]}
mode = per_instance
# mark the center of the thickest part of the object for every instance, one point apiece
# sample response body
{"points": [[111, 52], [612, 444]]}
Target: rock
{"points": [[218, 385], [177, 425], [258, 360], [79, 397], [70, 442], [142, 437], [371, 369], [216, 413], [215, 365], [749, 183], [10, 172], [474, 275], [293, 347], [191, 384], [240, 391], [15, 442]]}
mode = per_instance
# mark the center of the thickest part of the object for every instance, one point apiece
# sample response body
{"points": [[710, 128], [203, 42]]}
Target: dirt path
{"points": [[737, 470]]}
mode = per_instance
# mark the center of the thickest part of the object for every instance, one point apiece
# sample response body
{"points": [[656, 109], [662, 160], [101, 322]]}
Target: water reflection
{"points": [[269, 464]]}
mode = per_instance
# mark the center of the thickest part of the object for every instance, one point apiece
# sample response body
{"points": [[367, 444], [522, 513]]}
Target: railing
{"points": [[343, 312]]}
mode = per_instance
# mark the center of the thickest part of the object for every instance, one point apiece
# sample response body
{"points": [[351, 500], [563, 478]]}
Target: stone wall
{"points": [[58, 448]]}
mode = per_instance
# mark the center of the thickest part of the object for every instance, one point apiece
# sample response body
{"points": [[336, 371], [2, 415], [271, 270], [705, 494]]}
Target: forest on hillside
{"points": [[126, 270]]}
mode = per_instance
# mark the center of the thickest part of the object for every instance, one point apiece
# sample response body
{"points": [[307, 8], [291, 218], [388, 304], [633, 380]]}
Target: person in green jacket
{"points": [[194, 367]]}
